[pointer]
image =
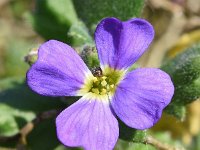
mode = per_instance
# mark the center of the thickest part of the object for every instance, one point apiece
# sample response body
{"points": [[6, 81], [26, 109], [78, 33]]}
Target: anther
{"points": [[104, 77], [103, 83], [103, 91], [95, 79], [112, 86], [95, 90]]}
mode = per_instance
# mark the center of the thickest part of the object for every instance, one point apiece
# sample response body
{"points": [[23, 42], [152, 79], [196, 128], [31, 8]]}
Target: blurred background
{"points": [[27, 119]]}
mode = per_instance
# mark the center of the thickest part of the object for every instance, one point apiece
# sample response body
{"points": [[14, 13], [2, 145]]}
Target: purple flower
{"points": [[137, 97]]}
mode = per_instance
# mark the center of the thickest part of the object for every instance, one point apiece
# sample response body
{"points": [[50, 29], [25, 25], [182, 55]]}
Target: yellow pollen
{"points": [[112, 85], [104, 77], [103, 91], [95, 79], [95, 90], [103, 83]]}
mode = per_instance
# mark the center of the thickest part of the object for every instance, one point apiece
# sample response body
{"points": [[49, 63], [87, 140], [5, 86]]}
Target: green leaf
{"points": [[43, 136], [176, 110], [52, 19], [92, 11], [124, 145], [12, 119], [14, 57], [129, 134], [79, 34], [62, 147], [18, 105], [184, 70], [17, 95], [47, 139]]}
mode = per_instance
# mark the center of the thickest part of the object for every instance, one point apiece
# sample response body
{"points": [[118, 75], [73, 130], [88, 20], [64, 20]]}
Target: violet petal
{"points": [[141, 97], [88, 123], [120, 44], [59, 70]]}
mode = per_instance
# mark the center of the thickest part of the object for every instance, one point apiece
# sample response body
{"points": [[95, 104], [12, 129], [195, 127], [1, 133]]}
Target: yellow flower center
{"points": [[103, 84]]}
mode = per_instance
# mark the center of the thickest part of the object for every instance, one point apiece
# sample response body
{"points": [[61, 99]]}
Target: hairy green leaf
{"points": [[52, 19], [92, 11], [184, 70]]}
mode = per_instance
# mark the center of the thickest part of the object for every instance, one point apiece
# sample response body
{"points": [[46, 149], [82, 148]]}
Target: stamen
{"points": [[104, 77], [103, 91], [112, 86], [103, 83], [95, 79], [95, 90]]}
